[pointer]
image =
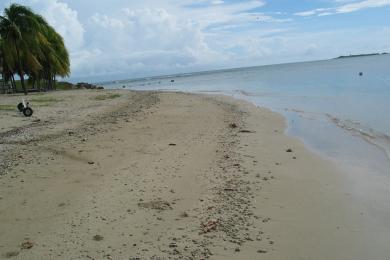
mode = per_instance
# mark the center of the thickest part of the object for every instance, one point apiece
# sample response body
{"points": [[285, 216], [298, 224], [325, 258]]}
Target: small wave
{"points": [[305, 114], [372, 136], [252, 94], [209, 91]]}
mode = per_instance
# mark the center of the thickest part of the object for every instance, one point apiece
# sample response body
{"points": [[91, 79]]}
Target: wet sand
{"points": [[151, 175]]}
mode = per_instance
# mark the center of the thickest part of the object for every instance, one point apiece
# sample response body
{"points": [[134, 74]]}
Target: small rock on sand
{"points": [[27, 244], [209, 226], [156, 204], [246, 131], [11, 254], [184, 215], [97, 237]]}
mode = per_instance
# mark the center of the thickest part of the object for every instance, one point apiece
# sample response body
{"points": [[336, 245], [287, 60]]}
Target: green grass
{"points": [[44, 104], [106, 96], [7, 107], [45, 99]]}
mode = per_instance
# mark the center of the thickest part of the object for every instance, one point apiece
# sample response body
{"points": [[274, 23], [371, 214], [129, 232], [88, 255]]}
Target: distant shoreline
{"points": [[361, 55], [204, 72]]}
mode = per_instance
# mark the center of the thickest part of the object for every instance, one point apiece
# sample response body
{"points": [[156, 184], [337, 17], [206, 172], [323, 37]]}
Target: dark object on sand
{"points": [[246, 131], [20, 107], [27, 244], [289, 150], [156, 205], [98, 238], [28, 112], [83, 85], [360, 74], [11, 254], [25, 109], [233, 125]]}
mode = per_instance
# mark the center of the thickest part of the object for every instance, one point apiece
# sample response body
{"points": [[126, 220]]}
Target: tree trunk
{"points": [[49, 81], [33, 82], [22, 82], [20, 71], [13, 83]]}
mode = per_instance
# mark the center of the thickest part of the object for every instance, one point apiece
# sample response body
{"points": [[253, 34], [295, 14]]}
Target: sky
{"points": [[122, 39]]}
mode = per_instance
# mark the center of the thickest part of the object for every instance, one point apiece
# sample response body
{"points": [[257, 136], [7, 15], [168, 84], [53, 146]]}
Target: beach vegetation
{"points": [[45, 99], [30, 50], [106, 96], [7, 107]]}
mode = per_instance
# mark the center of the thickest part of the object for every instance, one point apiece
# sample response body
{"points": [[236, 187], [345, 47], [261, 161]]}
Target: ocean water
{"points": [[329, 105]]}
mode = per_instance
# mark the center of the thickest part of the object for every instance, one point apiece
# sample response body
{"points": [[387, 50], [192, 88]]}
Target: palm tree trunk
{"points": [[22, 82], [54, 82], [20, 71], [13, 83], [49, 81]]}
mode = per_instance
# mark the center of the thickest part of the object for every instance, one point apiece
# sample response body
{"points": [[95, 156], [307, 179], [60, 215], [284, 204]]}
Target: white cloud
{"points": [[289, 46], [62, 18], [352, 7], [317, 11], [217, 2], [346, 7], [160, 40], [142, 39]]}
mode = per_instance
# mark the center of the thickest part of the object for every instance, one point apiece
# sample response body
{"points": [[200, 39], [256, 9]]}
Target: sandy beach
{"points": [[154, 175]]}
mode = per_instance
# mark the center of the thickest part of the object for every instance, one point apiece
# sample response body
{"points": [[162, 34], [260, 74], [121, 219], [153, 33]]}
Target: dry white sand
{"points": [[147, 175]]}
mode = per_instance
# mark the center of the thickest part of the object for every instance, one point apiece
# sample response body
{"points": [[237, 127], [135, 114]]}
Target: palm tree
{"points": [[30, 47], [19, 32], [55, 59]]}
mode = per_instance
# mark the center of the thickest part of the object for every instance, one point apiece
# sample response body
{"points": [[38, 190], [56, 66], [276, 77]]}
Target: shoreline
{"points": [[157, 174]]}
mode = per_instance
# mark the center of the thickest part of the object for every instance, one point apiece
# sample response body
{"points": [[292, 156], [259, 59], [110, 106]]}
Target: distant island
{"points": [[361, 55]]}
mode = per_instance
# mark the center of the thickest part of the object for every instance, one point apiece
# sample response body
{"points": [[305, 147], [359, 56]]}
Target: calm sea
{"points": [[339, 108]]}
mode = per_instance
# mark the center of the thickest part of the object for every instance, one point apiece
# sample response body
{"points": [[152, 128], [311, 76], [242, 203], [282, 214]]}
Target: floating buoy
{"points": [[360, 74]]}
